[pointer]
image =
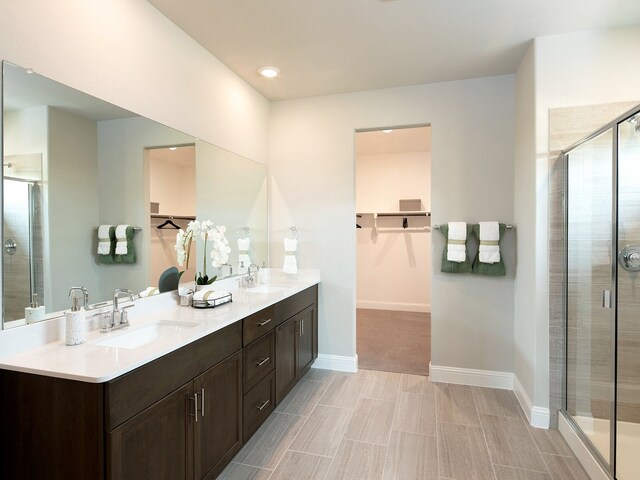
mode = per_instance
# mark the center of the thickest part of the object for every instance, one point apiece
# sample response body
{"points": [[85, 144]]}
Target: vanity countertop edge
{"points": [[93, 363]]}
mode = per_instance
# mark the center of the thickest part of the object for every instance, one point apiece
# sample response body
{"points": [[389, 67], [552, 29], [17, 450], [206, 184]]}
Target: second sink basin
{"points": [[145, 335]]}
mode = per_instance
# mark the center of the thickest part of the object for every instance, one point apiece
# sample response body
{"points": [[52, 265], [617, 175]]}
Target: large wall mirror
{"points": [[72, 162]]}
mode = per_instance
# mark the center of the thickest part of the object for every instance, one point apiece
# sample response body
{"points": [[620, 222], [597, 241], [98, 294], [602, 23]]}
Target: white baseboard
{"points": [[470, 376], [539, 417], [336, 362], [394, 306], [584, 456]]}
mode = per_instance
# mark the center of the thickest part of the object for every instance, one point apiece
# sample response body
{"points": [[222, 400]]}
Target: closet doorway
{"points": [[393, 249]]}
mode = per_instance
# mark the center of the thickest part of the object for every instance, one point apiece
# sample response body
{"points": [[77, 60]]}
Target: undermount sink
{"points": [[142, 336], [266, 289]]}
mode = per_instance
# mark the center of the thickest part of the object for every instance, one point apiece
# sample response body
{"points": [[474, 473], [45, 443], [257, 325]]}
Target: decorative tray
{"points": [[213, 303]]}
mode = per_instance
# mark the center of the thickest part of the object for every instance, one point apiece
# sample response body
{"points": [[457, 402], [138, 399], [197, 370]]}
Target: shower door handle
{"points": [[606, 299]]}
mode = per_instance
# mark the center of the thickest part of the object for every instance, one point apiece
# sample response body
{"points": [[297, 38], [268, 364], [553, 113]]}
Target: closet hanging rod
{"points": [[508, 227], [173, 217]]}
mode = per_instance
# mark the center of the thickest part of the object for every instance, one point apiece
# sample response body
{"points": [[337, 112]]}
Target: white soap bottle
{"points": [[34, 313], [75, 324]]}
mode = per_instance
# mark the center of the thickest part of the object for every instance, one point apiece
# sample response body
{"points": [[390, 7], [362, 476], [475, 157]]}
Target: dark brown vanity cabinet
{"points": [[182, 416], [296, 349]]}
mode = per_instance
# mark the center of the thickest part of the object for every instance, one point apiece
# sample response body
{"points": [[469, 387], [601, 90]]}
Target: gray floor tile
{"points": [[371, 421], [565, 468], [302, 398], [455, 404], [297, 466], [411, 456], [236, 471], [462, 453], [319, 375], [416, 384], [492, 401], [358, 461], [382, 385], [344, 391], [415, 413], [268, 444], [550, 441], [510, 444], [510, 473], [323, 431]]}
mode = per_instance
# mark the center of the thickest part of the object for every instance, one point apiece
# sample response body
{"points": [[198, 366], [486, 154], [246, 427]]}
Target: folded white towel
{"points": [[149, 292], [243, 254], [290, 263], [489, 251], [121, 239], [457, 238], [104, 241], [209, 295]]}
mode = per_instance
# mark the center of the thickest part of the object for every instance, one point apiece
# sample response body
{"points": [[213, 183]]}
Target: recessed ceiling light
{"points": [[173, 148], [387, 131], [269, 72]]}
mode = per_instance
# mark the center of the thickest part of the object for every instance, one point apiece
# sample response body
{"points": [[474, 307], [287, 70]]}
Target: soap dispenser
{"points": [[34, 313], [75, 324]]}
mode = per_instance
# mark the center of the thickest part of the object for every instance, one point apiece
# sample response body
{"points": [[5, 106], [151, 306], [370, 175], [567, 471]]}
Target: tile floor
{"points": [[380, 425]]}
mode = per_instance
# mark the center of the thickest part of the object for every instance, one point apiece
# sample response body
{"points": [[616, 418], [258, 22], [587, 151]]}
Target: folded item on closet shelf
{"points": [[290, 263], [149, 292], [456, 242], [489, 251], [105, 234], [121, 239], [209, 294]]}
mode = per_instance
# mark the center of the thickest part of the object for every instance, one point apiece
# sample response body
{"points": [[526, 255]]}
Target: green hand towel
{"points": [[455, 267], [494, 269], [109, 259], [130, 256]]}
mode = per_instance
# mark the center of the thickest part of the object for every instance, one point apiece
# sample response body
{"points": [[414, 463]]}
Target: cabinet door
{"points": [[154, 443], [307, 341], [218, 429], [286, 365]]}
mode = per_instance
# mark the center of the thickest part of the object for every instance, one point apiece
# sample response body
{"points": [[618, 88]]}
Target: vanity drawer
{"points": [[258, 403], [258, 358], [257, 325], [298, 302]]}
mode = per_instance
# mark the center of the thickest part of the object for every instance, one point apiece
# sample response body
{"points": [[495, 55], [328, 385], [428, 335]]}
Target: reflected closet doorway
{"points": [[393, 249]]}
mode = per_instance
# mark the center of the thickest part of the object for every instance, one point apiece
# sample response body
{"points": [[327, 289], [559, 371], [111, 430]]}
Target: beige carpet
{"points": [[393, 341]]}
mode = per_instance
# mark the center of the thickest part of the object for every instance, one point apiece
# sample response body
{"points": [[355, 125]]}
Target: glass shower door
{"points": [[628, 351], [590, 290]]}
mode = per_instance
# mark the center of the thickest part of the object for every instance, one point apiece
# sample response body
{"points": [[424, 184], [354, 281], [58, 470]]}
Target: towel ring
{"points": [[291, 233]]}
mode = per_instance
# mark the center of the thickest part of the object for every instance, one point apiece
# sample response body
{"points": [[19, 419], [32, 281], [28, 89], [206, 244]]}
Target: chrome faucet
{"points": [[118, 317], [249, 279]]}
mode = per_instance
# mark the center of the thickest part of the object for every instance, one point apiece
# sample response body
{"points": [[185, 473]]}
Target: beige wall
{"points": [[311, 158], [393, 266]]}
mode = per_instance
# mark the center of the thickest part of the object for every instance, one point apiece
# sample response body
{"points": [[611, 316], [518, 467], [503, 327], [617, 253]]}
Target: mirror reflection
{"points": [[73, 163]]}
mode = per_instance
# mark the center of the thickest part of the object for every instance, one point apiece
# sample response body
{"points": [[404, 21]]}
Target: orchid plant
{"points": [[207, 231]]}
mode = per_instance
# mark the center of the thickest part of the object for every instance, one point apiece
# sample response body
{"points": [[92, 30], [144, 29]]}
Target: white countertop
{"points": [[91, 362]]}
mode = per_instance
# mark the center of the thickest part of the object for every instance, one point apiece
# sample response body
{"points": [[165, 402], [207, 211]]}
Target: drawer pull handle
{"points": [[262, 324], [262, 362], [202, 403], [262, 405]]}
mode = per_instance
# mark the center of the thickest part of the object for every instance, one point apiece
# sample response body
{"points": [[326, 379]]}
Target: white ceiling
{"points": [[184, 156], [335, 46]]}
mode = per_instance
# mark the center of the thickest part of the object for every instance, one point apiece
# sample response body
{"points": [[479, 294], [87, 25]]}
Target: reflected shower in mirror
{"points": [[73, 162]]}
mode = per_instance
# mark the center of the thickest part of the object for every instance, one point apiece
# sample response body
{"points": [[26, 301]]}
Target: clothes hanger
{"points": [[168, 222]]}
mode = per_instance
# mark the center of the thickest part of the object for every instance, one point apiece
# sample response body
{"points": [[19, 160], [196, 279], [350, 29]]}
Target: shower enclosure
{"points": [[22, 233], [602, 208]]}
